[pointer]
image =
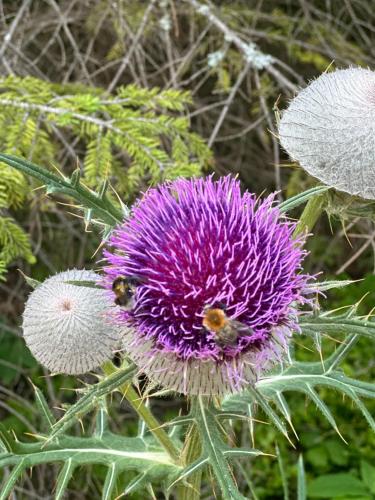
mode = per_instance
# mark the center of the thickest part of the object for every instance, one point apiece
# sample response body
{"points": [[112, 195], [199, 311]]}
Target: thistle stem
{"points": [[310, 214], [191, 451], [135, 400]]}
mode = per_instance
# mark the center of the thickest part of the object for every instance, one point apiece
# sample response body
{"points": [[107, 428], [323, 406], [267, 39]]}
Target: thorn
{"points": [[100, 246], [370, 314], [39, 437], [78, 207], [290, 441], [354, 308], [103, 188], [37, 188], [75, 178], [329, 65], [340, 435], [292, 427], [274, 134], [51, 189], [30, 281], [303, 347], [345, 233], [81, 424], [87, 218], [125, 209], [59, 171], [31, 382], [318, 344]]}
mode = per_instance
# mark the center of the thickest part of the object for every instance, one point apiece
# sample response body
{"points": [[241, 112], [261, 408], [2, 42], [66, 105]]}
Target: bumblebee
{"points": [[226, 330], [124, 289]]}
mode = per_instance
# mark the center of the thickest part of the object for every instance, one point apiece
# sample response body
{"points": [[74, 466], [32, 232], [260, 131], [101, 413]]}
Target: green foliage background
{"points": [[133, 92]]}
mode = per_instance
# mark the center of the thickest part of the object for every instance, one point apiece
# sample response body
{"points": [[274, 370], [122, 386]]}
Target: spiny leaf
{"points": [[282, 473], [213, 448], [283, 407], [33, 283], [190, 469], [323, 286], [184, 420], [110, 482], [256, 396], [103, 188], [341, 325], [137, 483], [12, 479], [63, 478], [126, 453], [301, 480], [101, 423], [364, 410], [305, 378], [88, 401], [87, 284], [7, 441], [242, 452], [75, 178], [301, 198], [322, 407], [340, 353], [45, 412], [103, 208], [299, 375]]}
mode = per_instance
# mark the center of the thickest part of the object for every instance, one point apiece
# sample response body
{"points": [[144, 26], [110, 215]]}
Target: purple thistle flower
{"points": [[190, 244]]}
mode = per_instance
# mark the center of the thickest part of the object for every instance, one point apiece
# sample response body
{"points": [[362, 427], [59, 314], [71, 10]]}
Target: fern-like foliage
{"points": [[14, 243], [134, 139]]}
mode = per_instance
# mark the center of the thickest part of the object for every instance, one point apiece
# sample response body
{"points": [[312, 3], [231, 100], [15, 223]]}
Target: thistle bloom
{"points": [[66, 326], [329, 128], [193, 244]]}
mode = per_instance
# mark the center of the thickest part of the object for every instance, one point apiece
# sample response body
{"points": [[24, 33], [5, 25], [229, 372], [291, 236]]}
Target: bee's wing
{"points": [[242, 329]]}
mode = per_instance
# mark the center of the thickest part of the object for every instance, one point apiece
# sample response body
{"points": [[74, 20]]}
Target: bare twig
{"points": [[228, 102], [276, 151], [131, 50], [355, 256], [231, 36], [9, 35]]}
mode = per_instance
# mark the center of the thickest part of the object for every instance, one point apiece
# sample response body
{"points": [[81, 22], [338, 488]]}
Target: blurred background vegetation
{"points": [[141, 91]]}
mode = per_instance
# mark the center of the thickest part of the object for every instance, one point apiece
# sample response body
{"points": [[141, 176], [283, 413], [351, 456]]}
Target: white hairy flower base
{"points": [[66, 326], [204, 377], [329, 128]]}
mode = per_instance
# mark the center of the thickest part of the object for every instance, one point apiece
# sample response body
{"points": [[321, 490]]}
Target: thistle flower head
{"points": [[65, 325], [329, 128], [218, 283]]}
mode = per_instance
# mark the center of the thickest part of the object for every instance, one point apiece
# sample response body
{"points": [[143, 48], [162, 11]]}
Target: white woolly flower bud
{"points": [[65, 325], [329, 128]]}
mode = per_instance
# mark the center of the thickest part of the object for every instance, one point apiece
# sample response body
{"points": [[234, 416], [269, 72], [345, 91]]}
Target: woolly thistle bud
{"points": [[329, 128], [65, 325]]}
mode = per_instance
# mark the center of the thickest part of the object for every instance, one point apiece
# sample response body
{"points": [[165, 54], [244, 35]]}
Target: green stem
{"points": [[135, 400], [310, 214], [192, 450]]}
